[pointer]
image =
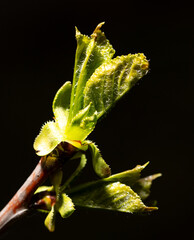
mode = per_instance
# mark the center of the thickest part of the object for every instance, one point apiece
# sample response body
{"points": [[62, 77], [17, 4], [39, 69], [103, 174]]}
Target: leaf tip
{"points": [[99, 26], [154, 176], [145, 165], [97, 30], [77, 32]]}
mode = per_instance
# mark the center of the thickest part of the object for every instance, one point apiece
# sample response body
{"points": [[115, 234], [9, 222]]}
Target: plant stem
{"points": [[19, 205]]}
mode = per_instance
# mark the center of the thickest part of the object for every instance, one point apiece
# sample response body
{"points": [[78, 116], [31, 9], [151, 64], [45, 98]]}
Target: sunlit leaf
{"points": [[50, 219], [101, 168], [65, 206], [48, 138], [112, 80], [61, 104], [111, 196], [113, 193], [43, 189], [81, 125], [90, 54]]}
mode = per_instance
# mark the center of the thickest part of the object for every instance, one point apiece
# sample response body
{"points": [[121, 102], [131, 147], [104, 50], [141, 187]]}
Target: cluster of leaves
{"points": [[99, 81]]}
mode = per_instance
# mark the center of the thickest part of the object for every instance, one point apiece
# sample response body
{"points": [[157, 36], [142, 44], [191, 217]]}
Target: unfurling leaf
{"points": [[143, 185], [112, 193], [101, 168], [48, 138], [98, 82], [90, 54], [61, 104], [81, 125], [111, 196], [65, 206], [112, 80], [50, 219]]}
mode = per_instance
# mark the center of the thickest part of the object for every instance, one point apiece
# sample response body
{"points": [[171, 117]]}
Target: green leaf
{"points": [[112, 80], [143, 185], [101, 168], [128, 177], [50, 219], [81, 125], [111, 193], [61, 104], [90, 54], [65, 206], [48, 138], [111, 196], [44, 189]]}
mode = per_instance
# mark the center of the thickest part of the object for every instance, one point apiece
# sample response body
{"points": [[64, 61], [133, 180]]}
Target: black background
{"points": [[154, 122]]}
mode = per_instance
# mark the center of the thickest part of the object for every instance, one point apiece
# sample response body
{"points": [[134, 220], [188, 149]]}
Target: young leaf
{"points": [[111, 193], [48, 138], [50, 219], [43, 189], [129, 177], [90, 54], [65, 206], [112, 80], [101, 168], [143, 185], [61, 104], [111, 196], [81, 125]]}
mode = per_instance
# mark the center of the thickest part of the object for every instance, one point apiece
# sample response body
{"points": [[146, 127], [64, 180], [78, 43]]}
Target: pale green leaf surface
{"points": [[101, 168], [81, 125], [90, 54], [50, 219], [112, 193], [112, 80], [43, 189], [48, 138], [65, 206], [111, 196], [61, 104]]}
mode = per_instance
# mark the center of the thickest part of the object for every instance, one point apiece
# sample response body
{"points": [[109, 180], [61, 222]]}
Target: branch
{"points": [[19, 205]]}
